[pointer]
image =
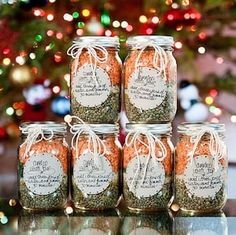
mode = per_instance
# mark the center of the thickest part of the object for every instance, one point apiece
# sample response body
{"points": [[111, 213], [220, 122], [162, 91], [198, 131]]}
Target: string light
{"points": [[149, 31], [6, 51], [67, 17], [213, 92], [59, 35], [50, 33], [50, 17], [116, 24], [201, 50], [6, 61], [155, 20], [142, 19], [38, 38], [124, 24], [185, 2], [178, 45], [79, 32], [175, 5], [80, 24], [20, 60], [69, 210], [75, 15], [10, 111], [215, 120], [108, 33], [4, 220], [56, 89], [233, 118], [85, 12], [179, 28], [202, 35], [52, 1], [219, 60], [129, 28], [209, 100]]}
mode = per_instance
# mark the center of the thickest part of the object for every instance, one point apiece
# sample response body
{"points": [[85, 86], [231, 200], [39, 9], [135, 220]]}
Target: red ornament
{"points": [[35, 112]]}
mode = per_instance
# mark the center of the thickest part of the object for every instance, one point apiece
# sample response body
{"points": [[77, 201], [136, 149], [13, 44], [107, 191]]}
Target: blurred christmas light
{"points": [[49, 46], [215, 120], [80, 24], [149, 31], [37, 12], [108, 33], [233, 118], [6, 51], [58, 57], [75, 15], [6, 61], [201, 50], [202, 35], [38, 38], [209, 100], [185, 2], [19, 112], [50, 17], [186, 16], [179, 28], [212, 108], [20, 60], [124, 24], [178, 45], [19, 105], [32, 56], [142, 19], [79, 32], [116, 24], [69, 210], [170, 17], [168, 2], [213, 92], [217, 111], [52, 1], [59, 35], [4, 220], [219, 60], [105, 18], [1, 214], [10, 111], [175, 5], [68, 17], [56, 89], [50, 33], [85, 12], [1, 71], [155, 20], [129, 28]]}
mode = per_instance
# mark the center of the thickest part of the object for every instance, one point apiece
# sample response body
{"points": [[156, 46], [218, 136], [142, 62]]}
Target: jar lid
{"points": [[98, 128], [99, 40], [46, 127], [159, 40], [188, 128], [164, 128]]}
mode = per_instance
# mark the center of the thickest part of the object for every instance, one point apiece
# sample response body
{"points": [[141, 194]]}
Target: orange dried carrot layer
{"points": [[55, 147], [129, 153], [184, 147], [112, 151]]}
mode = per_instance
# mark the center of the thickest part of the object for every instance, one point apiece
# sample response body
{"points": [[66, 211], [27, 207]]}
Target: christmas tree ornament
{"points": [[61, 106], [21, 75]]}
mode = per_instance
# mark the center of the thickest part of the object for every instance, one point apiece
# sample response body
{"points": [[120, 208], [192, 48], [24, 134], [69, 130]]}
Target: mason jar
{"points": [[150, 79], [201, 167], [147, 166], [96, 166], [95, 79], [43, 166]]}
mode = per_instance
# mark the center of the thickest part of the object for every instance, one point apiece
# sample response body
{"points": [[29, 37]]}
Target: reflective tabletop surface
{"points": [[14, 220]]}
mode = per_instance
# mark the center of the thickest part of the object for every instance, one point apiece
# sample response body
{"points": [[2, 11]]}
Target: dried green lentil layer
{"points": [[107, 112], [160, 222], [157, 201], [165, 112], [57, 199], [104, 200], [187, 202]]}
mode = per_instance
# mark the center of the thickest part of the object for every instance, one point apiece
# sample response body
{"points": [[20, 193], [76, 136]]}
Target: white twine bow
{"points": [[95, 145], [35, 134], [159, 56], [216, 145], [92, 47], [132, 139]]}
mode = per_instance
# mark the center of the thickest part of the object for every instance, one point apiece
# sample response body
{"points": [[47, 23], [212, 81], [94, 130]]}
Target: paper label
{"points": [[90, 91], [92, 174], [92, 231], [146, 89], [144, 230], [201, 179], [43, 173], [153, 181]]}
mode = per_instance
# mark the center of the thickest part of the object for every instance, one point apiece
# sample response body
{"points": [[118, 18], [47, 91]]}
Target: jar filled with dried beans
{"points": [[201, 167], [147, 166], [95, 165], [43, 166], [150, 83], [95, 79]]}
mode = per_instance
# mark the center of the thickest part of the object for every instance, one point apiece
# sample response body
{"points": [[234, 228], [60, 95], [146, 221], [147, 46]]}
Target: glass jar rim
{"points": [[98, 128], [188, 127], [158, 40], [99, 40], [160, 128], [47, 127]]}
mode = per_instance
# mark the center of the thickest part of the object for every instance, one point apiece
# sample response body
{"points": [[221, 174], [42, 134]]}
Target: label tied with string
{"points": [[145, 173], [90, 84], [92, 171], [147, 86], [204, 174]]}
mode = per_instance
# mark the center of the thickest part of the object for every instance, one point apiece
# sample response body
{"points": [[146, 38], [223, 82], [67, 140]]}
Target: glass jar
{"points": [[201, 167], [150, 83], [95, 79], [96, 165], [147, 166], [43, 166]]}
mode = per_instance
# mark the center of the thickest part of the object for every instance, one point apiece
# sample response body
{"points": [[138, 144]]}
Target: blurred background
{"points": [[34, 66]]}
